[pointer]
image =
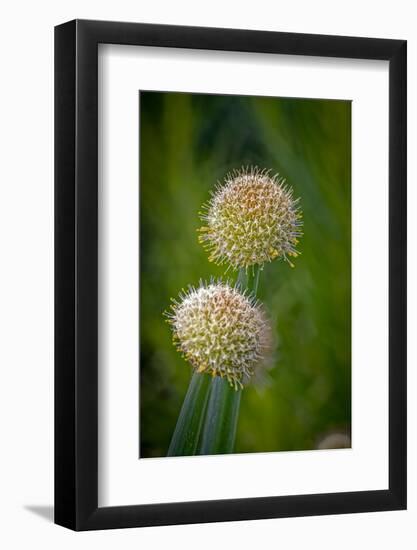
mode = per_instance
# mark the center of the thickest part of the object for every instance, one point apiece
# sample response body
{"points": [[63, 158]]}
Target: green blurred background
{"points": [[187, 143]]}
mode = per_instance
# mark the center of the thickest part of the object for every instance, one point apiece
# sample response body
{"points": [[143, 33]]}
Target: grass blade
{"points": [[219, 430], [187, 431]]}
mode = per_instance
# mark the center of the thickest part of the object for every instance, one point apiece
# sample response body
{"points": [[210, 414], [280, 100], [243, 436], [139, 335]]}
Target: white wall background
{"points": [[26, 271]]}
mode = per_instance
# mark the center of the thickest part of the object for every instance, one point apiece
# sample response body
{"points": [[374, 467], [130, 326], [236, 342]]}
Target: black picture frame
{"points": [[76, 272]]}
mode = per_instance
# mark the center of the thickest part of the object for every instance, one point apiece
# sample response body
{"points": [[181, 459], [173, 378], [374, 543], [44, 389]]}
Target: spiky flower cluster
{"points": [[221, 331], [251, 219]]}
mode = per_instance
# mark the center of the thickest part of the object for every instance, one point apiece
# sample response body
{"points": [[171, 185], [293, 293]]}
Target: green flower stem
{"points": [[253, 280], [249, 279], [187, 431], [241, 278], [220, 425]]}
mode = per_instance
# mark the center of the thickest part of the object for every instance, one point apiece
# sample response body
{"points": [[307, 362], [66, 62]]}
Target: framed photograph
{"points": [[230, 254]]}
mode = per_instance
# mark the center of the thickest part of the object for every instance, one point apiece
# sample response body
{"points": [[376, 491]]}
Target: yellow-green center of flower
{"points": [[220, 331], [251, 219]]}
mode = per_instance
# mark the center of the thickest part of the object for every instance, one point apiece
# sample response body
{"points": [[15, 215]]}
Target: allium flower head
{"points": [[220, 331], [251, 219]]}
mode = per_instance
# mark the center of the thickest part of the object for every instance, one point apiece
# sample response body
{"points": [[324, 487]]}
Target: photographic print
{"points": [[220, 300], [245, 274]]}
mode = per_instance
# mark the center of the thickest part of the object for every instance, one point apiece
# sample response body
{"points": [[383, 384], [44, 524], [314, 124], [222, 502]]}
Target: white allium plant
{"points": [[252, 218], [221, 331]]}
